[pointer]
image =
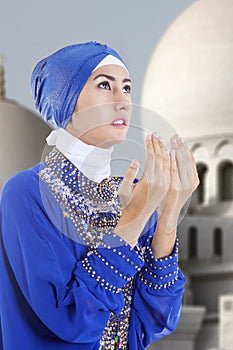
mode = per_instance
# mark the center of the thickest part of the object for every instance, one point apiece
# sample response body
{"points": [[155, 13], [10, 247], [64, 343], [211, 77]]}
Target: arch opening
{"points": [[225, 181], [192, 243]]}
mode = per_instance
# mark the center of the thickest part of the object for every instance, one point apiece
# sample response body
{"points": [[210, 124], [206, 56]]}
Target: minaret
{"points": [[2, 80], [22, 134]]}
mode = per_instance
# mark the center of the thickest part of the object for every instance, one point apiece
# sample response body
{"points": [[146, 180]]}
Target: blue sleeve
{"points": [[157, 302], [72, 295]]}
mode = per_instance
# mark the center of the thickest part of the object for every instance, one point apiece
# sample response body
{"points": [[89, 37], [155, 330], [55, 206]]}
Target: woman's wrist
{"points": [[130, 226], [165, 235]]}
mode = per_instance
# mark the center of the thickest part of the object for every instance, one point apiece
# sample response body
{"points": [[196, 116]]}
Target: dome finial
{"points": [[2, 80]]}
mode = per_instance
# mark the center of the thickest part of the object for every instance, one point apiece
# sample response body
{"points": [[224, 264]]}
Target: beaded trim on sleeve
{"points": [[158, 285], [137, 249], [163, 272], [158, 263], [107, 285], [113, 268]]}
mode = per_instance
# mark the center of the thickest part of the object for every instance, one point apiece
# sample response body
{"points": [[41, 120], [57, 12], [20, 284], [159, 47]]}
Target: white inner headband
{"points": [[110, 60]]}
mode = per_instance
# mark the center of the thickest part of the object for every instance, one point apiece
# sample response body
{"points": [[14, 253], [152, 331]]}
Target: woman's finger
{"points": [[165, 155], [156, 143], [193, 163], [183, 160], [161, 161], [186, 166], [126, 187], [189, 165], [174, 171], [132, 171], [148, 174]]}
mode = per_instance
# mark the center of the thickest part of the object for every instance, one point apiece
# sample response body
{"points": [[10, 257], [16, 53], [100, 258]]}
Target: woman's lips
{"points": [[120, 122]]}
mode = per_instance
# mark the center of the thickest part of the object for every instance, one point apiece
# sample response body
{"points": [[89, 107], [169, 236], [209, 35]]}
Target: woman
{"points": [[85, 264]]}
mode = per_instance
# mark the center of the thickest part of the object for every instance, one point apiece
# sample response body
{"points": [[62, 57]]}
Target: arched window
{"points": [[192, 242], [225, 176], [217, 242], [202, 170]]}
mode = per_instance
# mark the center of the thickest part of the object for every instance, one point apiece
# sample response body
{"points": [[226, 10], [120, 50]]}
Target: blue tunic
{"points": [[56, 294]]}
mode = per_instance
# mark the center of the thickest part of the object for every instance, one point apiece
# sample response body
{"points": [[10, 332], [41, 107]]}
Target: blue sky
{"points": [[30, 30]]}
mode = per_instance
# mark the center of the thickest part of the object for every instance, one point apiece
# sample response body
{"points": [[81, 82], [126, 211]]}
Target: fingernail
{"points": [[134, 164], [160, 138], [154, 135], [174, 139], [181, 139], [148, 137]]}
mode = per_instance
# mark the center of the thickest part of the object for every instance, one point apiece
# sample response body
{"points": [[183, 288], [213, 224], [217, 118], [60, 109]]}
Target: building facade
{"points": [[189, 82]]}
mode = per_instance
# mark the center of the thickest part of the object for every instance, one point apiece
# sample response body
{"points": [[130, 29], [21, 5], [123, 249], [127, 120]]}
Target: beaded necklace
{"points": [[94, 209], [115, 335]]}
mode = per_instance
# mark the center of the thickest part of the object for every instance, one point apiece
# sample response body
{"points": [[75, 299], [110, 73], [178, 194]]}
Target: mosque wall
{"points": [[21, 127]]}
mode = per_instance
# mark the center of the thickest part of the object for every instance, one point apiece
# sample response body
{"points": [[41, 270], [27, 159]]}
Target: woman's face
{"points": [[105, 97]]}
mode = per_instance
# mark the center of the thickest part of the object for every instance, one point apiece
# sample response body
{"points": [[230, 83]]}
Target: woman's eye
{"points": [[127, 89], [104, 85]]}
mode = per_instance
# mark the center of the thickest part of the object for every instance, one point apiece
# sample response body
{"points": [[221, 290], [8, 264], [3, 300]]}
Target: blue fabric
{"points": [[48, 301], [58, 79]]}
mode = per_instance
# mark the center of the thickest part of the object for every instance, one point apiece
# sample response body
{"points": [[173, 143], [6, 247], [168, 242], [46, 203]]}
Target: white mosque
{"points": [[189, 81]]}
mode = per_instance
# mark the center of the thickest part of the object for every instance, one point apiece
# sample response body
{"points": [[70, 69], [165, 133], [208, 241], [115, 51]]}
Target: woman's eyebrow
{"points": [[110, 77], [126, 80]]}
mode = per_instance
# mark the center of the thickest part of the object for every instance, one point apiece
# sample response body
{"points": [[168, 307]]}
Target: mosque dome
{"points": [[189, 80], [22, 136]]}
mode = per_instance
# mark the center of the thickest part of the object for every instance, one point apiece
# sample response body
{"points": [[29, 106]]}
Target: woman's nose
{"points": [[122, 106], [122, 101]]}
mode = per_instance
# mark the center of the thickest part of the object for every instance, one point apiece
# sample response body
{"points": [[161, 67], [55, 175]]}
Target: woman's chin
{"points": [[111, 142]]}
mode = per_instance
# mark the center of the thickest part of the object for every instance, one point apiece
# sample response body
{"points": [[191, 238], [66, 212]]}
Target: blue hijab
{"points": [[58, 79]]}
